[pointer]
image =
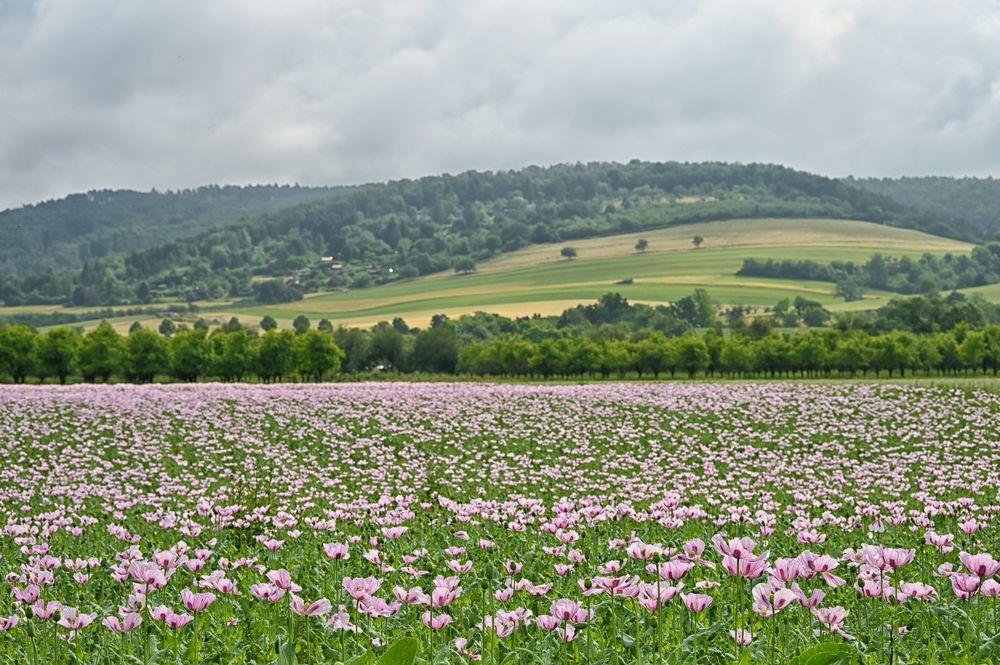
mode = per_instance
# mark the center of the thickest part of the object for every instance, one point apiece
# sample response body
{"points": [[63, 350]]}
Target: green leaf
{"points": [[287, 654], [989, 650], [824, 654], [401, 652]]}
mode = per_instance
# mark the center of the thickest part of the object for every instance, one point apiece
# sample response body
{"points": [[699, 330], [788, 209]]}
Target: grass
{"points": [[536, 280]]}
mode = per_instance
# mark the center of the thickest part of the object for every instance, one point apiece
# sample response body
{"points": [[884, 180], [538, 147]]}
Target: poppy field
{"points": [[464, 523]]}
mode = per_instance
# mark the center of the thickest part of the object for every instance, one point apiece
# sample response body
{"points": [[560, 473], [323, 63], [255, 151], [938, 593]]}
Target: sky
{"points": [[171, 94]]}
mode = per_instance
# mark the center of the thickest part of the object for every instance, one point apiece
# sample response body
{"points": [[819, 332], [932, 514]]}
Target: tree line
{"points": [[974, 201], [926, 274], [233, 352], [823, 353], [63, 234]]}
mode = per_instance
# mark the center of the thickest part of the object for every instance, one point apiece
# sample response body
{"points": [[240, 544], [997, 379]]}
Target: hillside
{"points": [[537, 280], [381, 233], [971, 201], [68, 232]]}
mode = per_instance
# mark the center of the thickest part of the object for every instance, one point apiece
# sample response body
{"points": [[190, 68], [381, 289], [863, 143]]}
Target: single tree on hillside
{"points": [[464, 265], [696, 241], [568, 253], [641, 245]]}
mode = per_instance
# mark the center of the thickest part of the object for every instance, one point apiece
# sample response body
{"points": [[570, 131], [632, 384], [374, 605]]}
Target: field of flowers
{"points": [[458, 523]]}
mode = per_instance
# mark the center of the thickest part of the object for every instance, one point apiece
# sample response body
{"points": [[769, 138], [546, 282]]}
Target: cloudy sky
{"points": [[177, 93]]}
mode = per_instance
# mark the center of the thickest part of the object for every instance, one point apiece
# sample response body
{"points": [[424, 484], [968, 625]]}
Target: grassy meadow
{"points": [[537, 280]]}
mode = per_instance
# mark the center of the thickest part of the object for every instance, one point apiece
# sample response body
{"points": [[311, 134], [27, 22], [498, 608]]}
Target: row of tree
{"points": [[143, 355], [235, 353], [230, 353], [815, 353]]}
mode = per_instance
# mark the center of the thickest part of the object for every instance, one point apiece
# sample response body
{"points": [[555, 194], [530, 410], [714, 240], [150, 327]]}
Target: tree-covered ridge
{"points": [[66, 233], [383, 232], [972, 201]]}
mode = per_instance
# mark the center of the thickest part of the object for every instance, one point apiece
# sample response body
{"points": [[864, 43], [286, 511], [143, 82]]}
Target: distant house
{"points": [[326, 259], [336, 266]]}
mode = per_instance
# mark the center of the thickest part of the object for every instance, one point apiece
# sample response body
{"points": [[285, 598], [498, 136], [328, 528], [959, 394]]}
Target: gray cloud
{"points": [[117, 93]]}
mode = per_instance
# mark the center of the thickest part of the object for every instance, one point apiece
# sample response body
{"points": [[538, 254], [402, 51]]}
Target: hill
{"points": [[382, 233], [538, 280], [969, 201], [67, 233]]}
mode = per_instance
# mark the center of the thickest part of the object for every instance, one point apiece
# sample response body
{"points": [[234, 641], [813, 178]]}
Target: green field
{"points": [[536, 280]]}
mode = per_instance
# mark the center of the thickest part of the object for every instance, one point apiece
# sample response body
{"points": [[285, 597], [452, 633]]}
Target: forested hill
{"points": [[972, 201], [64, 234], [384, 232]]}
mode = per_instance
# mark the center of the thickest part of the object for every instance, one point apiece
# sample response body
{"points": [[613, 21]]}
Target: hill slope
{"points": [[971, 201], [387, 232], [536, 280], [66, 233]]}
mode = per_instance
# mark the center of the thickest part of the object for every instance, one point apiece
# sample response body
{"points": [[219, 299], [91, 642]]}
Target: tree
{"points": [[547, 358], [641, 245], [301, 324], [464, 265], [101, 353], [318, 355], [189, 354], [692, 354], [17, 351], [276, 355], [737, 355], [324, 325], [972, 351], [697, 309], [616, 357], [386, 347], [355, 343], [878, 271], [849, 289], [232, 325], [436, 350], [145, 355], [696, 241], [142, 293], [232, 353], [852, 353], [568, 253], [268, 323], [654, 355], [57, 351], [167, 327]]}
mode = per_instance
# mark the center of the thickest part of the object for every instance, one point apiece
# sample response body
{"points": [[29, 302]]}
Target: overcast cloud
{"points": [[177, 93]]}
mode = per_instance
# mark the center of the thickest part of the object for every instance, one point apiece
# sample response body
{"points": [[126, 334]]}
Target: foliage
{"points": [[386, 232], [68, 232], [927, 274], [395, 524], [973, 203]]}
